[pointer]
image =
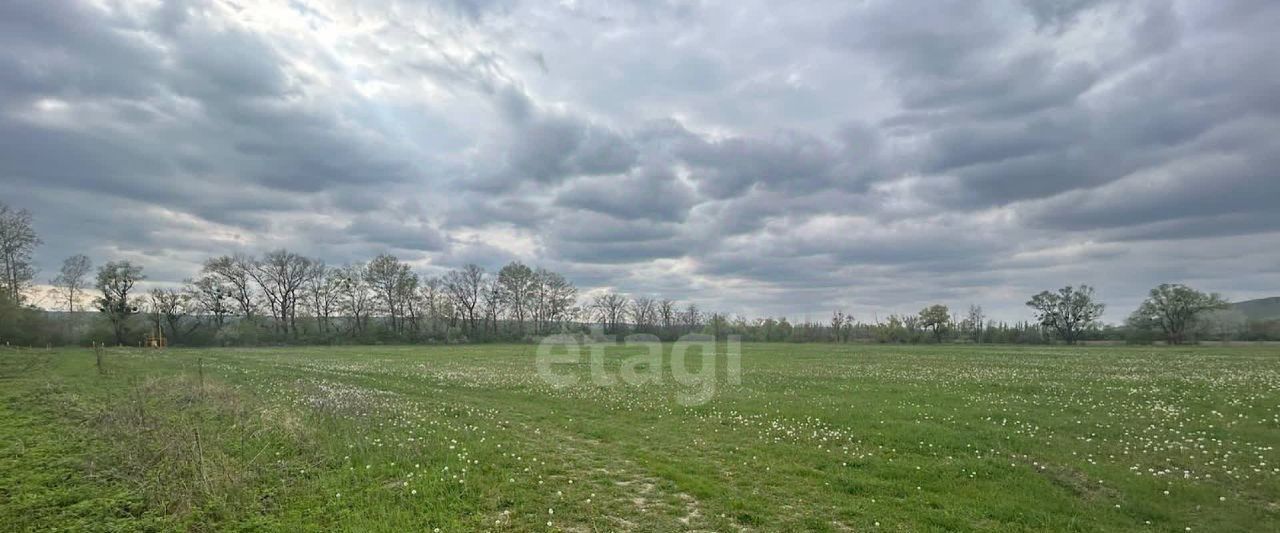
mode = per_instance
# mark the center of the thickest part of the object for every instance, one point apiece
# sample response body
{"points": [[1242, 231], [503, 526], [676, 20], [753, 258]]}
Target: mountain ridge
{"points": [[1259, 309]]}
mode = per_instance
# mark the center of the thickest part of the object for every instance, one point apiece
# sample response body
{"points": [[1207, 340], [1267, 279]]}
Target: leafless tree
{"points": [[841, 326], [18, 240], [234, 273], [168, 309], [465, 287], [610, 309], [354, 296], [975, 323], [516, 285], [211, 296], [323, 289], [72, 279], [412, 298], [490, 304], [392, 283], [554, 297], [280, 275], [691, 318], [718, 323], [643, 313], [431, 294], [667, 315], [116, 281]]}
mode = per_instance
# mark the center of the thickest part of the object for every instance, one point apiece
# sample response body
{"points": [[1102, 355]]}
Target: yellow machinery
{"points": [[156, 339]]}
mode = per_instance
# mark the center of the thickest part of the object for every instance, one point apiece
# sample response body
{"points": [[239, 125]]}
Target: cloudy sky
{"points": [[759, 157]]}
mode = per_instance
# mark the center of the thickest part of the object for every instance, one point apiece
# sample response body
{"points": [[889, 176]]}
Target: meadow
{"points": [[815, 437]]}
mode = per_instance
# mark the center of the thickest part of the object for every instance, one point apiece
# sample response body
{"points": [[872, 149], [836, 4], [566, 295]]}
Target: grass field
{"points": [[816, 437]]}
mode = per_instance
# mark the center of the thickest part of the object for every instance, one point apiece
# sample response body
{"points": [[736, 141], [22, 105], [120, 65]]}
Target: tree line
{"points": [[286, 297]]}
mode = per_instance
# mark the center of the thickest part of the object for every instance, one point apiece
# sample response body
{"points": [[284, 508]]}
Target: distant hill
{"points": [[1260, 309]]}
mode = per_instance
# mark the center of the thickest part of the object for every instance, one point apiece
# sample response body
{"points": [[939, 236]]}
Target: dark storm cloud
{"points": [[205, 105], [753, 156], [1058, 13], [785, 160], [653, 194], [173, 110], [396, 233], [546, 147]]}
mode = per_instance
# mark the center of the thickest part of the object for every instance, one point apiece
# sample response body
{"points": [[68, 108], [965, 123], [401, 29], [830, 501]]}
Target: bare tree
{"points": [[553, 297], [234, 273], [323, 287], [354, 296], [411, 298], [667, 315], [465, 287], [975, 323], [211, 297], [115, 281], [280, 275], [691, 318], [516, 284], [841, 326], [431, 294], [168, 308], [72, 279], [643, 313], [610, 310], [18, 240], [490, 304], [718, 323], [392, 282]]}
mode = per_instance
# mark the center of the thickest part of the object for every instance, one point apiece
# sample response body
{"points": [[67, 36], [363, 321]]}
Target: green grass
{"points": [[816, 437]]}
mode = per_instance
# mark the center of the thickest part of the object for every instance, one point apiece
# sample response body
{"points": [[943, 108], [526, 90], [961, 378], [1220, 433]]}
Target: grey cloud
{"points": [[786, 160], [746, 155], [653, 194], [396, 233], [548, 147], [470, 209], [242, 129], [592, 237], [1042, 124], [590, 227], [1056, 14], [1241, 183]]}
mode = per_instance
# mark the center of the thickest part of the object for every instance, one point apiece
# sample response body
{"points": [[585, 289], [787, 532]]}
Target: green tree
{"points": [[1069, 311], [1173, 309], [936, 318]]}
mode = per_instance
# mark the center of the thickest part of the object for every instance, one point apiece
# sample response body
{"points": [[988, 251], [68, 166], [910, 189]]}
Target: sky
{"points": [[756, 157]]}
